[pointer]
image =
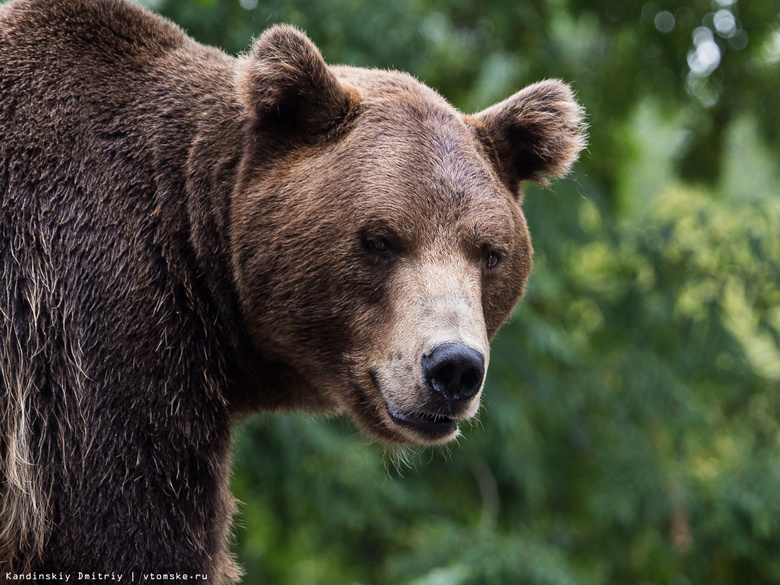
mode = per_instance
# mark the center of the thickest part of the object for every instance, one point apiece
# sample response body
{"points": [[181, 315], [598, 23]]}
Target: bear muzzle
{"points": [[452, 376]]}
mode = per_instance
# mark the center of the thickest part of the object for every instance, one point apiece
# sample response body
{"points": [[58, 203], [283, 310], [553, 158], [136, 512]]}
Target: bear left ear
{"points": [[536, 134], [286, 84]]}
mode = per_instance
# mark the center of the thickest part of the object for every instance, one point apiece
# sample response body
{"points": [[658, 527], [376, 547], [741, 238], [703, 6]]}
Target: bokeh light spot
{"points": [[739, 41], [684, 16], [725, 23], [664, 21]]}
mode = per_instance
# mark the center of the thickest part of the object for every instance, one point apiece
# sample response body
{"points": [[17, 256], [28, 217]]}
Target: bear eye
{"points": [[490, 257], [379, 246]]}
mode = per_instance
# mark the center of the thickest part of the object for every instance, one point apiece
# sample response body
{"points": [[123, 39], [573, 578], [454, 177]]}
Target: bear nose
{"points": [[454, 371]]}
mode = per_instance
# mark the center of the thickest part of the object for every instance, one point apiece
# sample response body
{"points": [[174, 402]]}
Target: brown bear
{"points": [[188, 237]]}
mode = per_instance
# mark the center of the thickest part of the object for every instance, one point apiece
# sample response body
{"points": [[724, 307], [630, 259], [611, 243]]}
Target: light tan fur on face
{"points": [[436, 301]]}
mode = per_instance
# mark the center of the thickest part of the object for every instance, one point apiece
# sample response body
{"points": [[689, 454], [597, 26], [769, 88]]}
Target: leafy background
{"points": [[630, 430]]}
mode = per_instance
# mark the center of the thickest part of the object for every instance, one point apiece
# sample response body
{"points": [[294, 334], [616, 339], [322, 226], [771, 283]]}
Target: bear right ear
{"points": [[288, 87], [535, 134]]}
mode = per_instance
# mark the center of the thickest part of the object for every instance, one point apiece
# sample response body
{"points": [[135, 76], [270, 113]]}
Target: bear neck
{"points": [[196, 133], [198, 147]]}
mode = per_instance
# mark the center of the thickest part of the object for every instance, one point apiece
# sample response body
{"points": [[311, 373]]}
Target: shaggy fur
{"points": [[186, 238]]}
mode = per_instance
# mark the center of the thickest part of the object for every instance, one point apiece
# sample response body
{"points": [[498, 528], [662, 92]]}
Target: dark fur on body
{"points": [[162, 231], [118, 143]]}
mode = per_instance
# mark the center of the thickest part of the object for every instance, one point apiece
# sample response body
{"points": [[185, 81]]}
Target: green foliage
{"points": [[630, 431]]}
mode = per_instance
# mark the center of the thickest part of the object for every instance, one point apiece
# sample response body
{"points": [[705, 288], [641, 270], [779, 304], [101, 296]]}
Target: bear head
{"points": [[377, 239]]}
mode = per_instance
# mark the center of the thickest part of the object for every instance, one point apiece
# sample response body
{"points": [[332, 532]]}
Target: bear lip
{"points": [[431, 426]]}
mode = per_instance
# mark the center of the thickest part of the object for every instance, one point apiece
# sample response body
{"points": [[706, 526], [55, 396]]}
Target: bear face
{"points": [[377, 240]]}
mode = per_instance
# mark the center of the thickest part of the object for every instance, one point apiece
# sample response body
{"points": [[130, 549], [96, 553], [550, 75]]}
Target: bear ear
{"points": [[536, 134], [287, 86]]}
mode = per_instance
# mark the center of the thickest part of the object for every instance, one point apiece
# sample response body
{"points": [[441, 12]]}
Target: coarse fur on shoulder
{"points": [[100, 111], [95, 21]]}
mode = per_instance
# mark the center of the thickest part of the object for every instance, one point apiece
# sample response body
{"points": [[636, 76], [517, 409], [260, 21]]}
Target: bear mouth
{"points": [[430, 426]]}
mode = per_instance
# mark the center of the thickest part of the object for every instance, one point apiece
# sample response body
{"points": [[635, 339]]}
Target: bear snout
{"points": [[453, 373]]}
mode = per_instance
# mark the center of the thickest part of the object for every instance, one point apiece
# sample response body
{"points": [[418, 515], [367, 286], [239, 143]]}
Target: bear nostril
{"points": [[445, 376], [454, 371], [471, 378]]}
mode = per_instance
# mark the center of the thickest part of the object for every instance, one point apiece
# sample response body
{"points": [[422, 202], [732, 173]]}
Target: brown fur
{"points": [[186, 238]]}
